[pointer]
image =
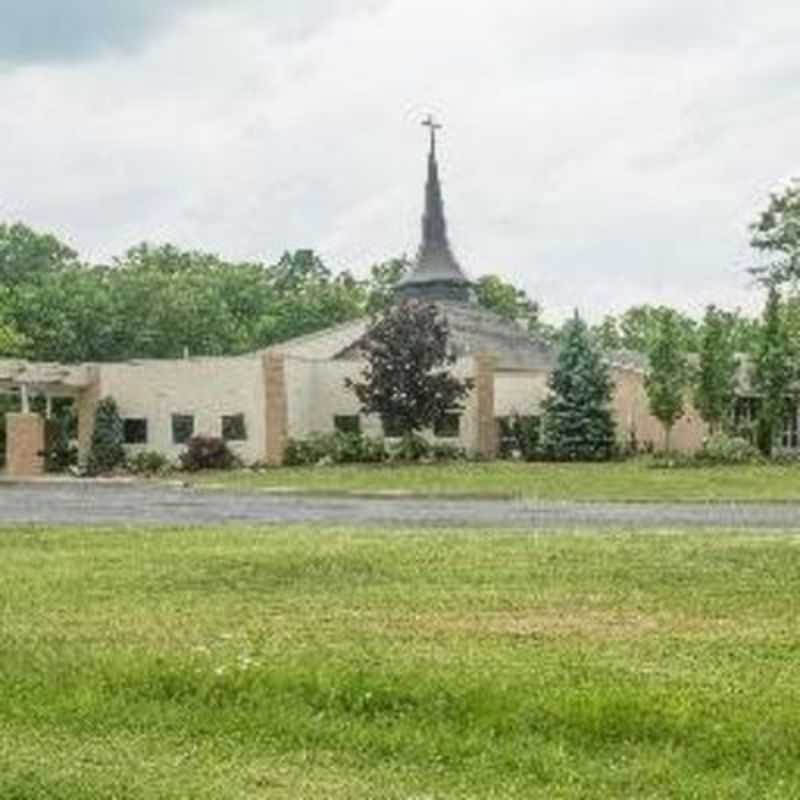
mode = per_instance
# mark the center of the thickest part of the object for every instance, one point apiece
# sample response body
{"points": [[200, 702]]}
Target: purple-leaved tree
{"points": [[406, 380]]}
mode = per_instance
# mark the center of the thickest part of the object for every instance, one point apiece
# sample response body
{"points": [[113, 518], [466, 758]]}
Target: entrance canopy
{"points": [[52, 380]]}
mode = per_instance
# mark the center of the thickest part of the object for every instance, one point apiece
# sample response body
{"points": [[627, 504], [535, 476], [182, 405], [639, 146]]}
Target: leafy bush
{"points": [[107, 452], [148, 462], [447, 452], [60, 453], [724, 449], [335, 448], [411, 447], [719, 450], [520, 436], [207, 452]]}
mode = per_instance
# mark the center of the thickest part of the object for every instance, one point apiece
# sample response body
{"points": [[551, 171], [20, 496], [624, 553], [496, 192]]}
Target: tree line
{"points": [[162, 301]]}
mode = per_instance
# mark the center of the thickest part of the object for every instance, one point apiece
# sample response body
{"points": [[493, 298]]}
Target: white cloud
{"points": [[598, 154]]}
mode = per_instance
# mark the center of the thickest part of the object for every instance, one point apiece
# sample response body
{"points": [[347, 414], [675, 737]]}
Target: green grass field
{"points": [[319, 663], [626, 481]]}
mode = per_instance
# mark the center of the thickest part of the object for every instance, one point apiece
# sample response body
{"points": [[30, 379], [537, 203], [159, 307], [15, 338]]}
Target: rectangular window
{"points": [[448, 427], [745, 417], [182, 428], [233, 428], [347, 424], [790, 436], [134, 431]]}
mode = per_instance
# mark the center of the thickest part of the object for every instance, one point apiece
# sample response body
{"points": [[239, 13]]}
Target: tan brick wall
{"points": [[277, 412], [25, 443], [633, 417], [486, 430]]}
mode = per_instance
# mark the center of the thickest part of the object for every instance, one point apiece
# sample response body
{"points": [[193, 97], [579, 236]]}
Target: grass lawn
{"points": [[328, 663], [626, 481]]}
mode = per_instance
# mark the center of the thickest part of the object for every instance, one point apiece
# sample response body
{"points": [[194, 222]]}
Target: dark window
{"points": [[233, 428], [448, 427], [790, 435], [135, 431], [182, 428], [392, 428], [347, 424], [745, 417]]}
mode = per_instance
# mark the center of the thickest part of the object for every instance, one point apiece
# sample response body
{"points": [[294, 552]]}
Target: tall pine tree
{"points": [[578, 424]]}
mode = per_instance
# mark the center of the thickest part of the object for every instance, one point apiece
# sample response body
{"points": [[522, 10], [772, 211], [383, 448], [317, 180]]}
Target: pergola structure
{"points": [[26, 430]]}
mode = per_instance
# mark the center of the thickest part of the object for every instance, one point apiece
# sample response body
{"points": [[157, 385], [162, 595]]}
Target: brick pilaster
{"points": [[486, 431], [87, 405], [277, 408], [25, 444]]}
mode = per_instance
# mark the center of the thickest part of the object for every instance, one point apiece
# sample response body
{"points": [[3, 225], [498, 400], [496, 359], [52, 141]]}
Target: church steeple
{"points": [[436, 274]]}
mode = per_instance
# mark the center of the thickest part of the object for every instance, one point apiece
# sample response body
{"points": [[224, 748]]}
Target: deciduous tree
{"points": [[715, 381], [773, 373], [776, 234], [668, 374], [407, 380]]}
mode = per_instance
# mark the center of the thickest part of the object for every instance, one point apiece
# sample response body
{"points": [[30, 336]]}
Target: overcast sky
{"points": [[599, 153]]}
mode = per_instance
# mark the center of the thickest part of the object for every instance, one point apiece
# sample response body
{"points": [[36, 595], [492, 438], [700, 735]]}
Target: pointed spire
{"points": [[436, 274]]}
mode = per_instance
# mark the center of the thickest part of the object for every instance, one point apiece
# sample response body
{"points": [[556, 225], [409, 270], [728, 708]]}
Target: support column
{"points": [[87, 405], [277, 408], [25, 445], [486, 431]]}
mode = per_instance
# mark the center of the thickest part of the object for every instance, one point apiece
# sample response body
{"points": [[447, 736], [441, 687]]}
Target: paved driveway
{"points": [[92, 504]]}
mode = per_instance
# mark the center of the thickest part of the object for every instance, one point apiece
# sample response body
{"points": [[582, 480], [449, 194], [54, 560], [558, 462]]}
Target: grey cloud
{"points": [[597, 153], [34, 31]]}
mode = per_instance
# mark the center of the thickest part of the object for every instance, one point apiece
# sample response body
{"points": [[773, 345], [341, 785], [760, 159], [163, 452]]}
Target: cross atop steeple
{"points": [[430, 122]]}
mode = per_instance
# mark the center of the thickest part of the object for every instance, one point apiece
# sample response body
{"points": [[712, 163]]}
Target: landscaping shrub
{"points": [[724, 449], [207, 452], [411, 447], [107, 452], [335, 448], [447, 452], [719, 450], [60, 454], [520, 436], [148, 462]]}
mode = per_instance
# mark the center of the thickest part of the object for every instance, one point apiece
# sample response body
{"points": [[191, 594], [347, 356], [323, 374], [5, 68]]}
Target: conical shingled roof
{"points": [[436, 274]]}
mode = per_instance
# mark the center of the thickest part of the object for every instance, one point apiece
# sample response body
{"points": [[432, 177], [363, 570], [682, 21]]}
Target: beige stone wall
{"points": [[316, 393], [25, 444], [633, 416], [524, 392], [520, 393], [207, 388]]}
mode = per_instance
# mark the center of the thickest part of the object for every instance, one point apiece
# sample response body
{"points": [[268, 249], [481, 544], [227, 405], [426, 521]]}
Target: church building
{"points": [[258, 401]]}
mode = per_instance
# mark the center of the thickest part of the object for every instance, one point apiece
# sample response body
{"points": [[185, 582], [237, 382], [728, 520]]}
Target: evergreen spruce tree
{"points": [[669, 374], [578, 424], [773, 371], [715, 384], [107, 451]]}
